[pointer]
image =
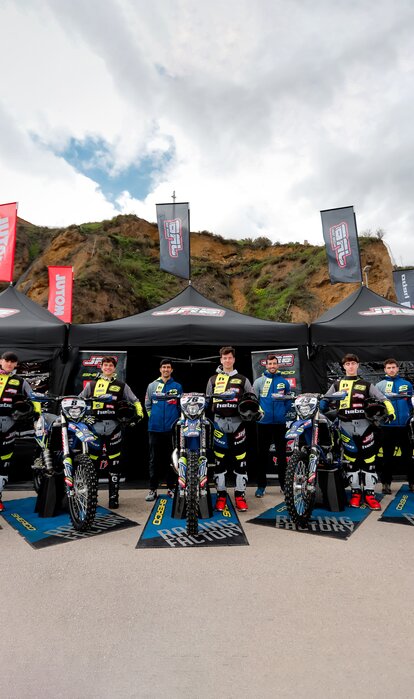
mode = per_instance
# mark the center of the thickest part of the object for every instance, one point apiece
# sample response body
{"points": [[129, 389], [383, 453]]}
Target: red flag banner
{"points": [[60, 292], [8, 220]]}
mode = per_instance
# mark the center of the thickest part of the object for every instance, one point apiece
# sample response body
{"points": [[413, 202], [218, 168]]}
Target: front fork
{"points": [[313, 465], [68, 469]]}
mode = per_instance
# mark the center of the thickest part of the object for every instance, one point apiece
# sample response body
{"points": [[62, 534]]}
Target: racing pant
{"points": [[7, 439], [360, 450], [230, 451], [110, 435], [391, 439], [267, 435], [160, 451]]}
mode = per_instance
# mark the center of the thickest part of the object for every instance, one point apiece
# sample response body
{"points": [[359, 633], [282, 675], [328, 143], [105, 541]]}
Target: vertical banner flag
{"points": [[404, 286], [341, 243], [174, 229], [8, 221], [60, 292]]}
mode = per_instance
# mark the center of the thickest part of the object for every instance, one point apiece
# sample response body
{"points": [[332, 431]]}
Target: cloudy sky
{"points": [[260, 113]]}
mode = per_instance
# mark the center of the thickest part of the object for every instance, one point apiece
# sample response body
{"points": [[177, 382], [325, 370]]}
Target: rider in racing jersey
{"points": [[12, 389], [107, 426], [357, 431], [229, 431]]}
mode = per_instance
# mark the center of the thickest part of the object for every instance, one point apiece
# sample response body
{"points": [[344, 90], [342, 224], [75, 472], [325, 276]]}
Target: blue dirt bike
{"points": [[316, 442], [192, 438], [65, 440]]}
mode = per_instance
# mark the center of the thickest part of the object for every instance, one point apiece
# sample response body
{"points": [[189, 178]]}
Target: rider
{"points": [[107, 426], [272, 427], [354, 427], [396, 435], [12, 388], [229, 432], [162, 414]]}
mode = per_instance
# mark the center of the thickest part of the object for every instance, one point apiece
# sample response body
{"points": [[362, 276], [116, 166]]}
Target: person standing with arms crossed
{"points": [[272, 427]]}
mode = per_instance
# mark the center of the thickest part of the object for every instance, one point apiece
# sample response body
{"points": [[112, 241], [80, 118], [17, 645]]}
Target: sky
{"points": [[259, 113]]}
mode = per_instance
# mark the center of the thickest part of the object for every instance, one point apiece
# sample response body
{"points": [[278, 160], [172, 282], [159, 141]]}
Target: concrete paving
{"points": [[291, 615]]}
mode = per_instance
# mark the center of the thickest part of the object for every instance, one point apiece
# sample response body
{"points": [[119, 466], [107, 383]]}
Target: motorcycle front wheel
{"points": [[83, 502], [192, 493], [299, 501]]}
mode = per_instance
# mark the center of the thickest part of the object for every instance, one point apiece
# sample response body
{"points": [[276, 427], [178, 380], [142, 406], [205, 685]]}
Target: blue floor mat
{"points": [[401, 508], [40, 532], [339, 525], [162, 531]]}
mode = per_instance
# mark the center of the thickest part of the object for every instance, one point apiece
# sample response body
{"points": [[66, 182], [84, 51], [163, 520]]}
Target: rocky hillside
{"points": [[116, 267]]}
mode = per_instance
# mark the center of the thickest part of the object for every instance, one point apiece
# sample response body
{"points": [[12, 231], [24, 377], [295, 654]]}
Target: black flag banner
{"points": [[174, 229], [341, 243], [404, 286]]}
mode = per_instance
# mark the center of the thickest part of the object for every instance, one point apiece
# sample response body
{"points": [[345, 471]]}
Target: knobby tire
{"points": [[192, 494], [82, 505], [299, 501]]}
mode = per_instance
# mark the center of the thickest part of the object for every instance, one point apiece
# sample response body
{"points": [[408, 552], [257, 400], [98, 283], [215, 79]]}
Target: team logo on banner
{"points": [[60, 292], [6, 312], [174, 231], [191, 311], [8, 221], [387, 311], [341, 244], [404, 286]]}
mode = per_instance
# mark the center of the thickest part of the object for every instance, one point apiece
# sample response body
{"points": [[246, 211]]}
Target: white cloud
{"points": [[272, 110]]}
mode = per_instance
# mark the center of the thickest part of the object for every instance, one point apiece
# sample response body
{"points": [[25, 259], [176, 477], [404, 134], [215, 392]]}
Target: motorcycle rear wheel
{"points": [[299, 501], [192, 494], [83, 503]]}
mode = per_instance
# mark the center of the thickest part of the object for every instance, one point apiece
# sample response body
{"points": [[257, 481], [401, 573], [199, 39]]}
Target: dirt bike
{"points": [[192, 437], [64, 440], [316, 442]]}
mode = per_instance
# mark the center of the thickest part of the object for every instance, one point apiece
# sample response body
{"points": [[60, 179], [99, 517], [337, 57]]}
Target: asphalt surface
{"points": [[290, 615]]}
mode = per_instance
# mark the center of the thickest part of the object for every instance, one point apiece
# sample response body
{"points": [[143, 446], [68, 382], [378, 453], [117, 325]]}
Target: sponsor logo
{"points": [[387, 311], [340, 243], [282, 359], [173, 234], [160, 512], [191, 311], [341, 525], [6, 312], [102, 523], [23, 522], [207, 531], [60, 297], [402, 502], [4, 237], [94, 360]]}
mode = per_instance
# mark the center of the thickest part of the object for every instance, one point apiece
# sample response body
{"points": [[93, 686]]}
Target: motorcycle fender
{"points": [[82, 432]]}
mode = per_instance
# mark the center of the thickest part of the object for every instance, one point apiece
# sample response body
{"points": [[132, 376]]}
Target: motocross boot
{"points": [[113, 484]]}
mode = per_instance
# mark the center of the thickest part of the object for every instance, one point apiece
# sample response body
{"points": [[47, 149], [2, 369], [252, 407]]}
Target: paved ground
{"points": [[291, 615]]}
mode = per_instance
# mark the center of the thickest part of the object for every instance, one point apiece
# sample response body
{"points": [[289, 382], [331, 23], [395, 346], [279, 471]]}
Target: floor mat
{"points": [[339, 525], [401, 508], [162, 531], [40, 532]]}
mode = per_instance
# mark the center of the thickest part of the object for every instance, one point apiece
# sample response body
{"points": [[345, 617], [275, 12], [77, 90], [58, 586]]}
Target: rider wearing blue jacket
{"points": [[272, 427], [397, 433], [162, 414]]}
